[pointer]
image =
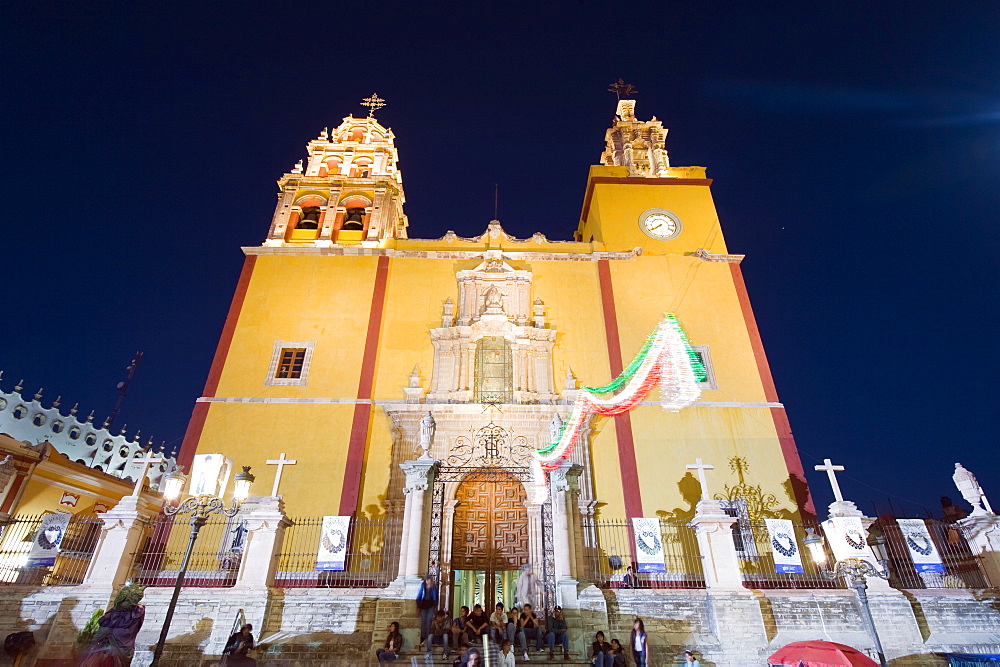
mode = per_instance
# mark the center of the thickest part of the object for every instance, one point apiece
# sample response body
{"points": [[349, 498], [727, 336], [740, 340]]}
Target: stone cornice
{"points": [[706, 256], [357, 251]]}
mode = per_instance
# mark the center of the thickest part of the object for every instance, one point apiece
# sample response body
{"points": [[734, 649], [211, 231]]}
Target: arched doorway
{"points": [[489, 539]]}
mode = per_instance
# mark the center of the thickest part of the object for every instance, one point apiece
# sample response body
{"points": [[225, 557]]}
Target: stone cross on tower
{"points": [[701, 468], [145, 462], [830, 470], [281, 462]]}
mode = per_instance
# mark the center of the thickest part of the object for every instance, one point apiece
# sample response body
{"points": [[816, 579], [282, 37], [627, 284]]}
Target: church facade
{"points": [[363, 353]]}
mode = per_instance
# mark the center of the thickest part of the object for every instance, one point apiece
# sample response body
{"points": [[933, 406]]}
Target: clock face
{"points": [[660, 224]]}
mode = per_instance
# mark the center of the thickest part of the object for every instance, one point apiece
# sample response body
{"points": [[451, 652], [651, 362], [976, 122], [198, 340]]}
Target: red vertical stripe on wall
{"points": [[362, 411], [200, 412], [623, 423], [790, 452]]}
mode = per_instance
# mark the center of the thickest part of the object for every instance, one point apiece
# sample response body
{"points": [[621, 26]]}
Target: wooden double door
{"points": [[489, 538]]}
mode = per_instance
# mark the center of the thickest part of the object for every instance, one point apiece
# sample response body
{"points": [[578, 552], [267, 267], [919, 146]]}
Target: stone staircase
{"points": [[536, 658]]}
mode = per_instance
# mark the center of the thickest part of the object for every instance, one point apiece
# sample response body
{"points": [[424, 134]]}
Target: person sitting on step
{"points": [[601, 652], [528, 625], [557, 631], [618, 653], [393, 645], [439, 632], [459, 628]]}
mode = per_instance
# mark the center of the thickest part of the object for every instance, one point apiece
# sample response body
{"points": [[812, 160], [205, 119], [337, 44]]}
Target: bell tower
{"points": [[347, 191]]}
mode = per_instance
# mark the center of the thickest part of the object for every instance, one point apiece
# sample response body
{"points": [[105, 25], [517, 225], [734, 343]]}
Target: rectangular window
{"points": [[290, 360], [290, 363], [706, 361]]}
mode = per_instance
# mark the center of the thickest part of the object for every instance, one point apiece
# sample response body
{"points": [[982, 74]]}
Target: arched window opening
{"points": [[494, 371], [361, 168]]}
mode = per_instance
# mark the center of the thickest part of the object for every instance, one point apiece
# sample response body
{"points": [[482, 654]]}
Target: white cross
{"points": [[829, 468], [701, 468], [281, 462], [146, 461]]}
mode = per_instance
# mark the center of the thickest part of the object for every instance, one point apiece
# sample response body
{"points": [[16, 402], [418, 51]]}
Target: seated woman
{"points": [[393, 645], [238, 645]]}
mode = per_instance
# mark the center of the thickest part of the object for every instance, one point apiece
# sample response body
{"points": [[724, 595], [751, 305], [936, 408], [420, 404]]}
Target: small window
{"points": [[746, 547], [91, 439], [706, 361], [38, 419], [19, 412], [108, 445], [74, 433], [290, 362], [57, 427]]}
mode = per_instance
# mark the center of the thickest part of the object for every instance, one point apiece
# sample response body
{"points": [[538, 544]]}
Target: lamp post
{"points": [[200, 507], [856, 571]]}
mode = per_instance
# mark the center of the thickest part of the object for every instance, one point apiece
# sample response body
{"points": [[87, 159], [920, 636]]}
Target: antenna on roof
{"points": [[123, 388], [496, 199]]}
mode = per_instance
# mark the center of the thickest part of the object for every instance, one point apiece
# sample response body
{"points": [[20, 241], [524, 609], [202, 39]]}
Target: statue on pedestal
{"points": [[971, 491]]}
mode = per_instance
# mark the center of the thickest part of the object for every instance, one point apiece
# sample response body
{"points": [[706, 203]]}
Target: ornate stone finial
{"points": [[971, 491], [105, 424], [149, 443], [374, 103], [121, 431], [56, 403], [427, 428], [448, 318], [38, 394], [555, 427], [570, 379], [324, 135], [539, 311], [415, 378], [90, 417], [73, 410], [138, 434], [1, 375], [163, 445], [19, 386], [297, 169]]}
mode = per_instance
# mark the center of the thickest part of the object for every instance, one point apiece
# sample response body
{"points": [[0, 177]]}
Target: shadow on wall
{"points": [[187, 648]]}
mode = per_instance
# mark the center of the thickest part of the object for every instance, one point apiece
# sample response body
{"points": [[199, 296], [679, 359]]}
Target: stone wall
{"points": [[344, 626]]}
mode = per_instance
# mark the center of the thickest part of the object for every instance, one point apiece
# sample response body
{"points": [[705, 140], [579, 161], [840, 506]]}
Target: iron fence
{"points": [[372, 558], [215, 559], [18, 534], [961, 566], [756, 554], [609, 550]]}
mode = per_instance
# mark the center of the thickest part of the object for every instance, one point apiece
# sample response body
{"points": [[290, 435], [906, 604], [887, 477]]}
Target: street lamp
{"points": [[199, 507], [856, 571]]}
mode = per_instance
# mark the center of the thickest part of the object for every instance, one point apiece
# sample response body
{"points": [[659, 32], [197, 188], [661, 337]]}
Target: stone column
{"points": [[419, 478], [119, 541], [982, 532], [714, 529], [266, 523], [562, 484], [536, 549]]}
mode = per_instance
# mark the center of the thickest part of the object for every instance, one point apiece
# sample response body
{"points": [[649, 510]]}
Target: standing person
{"points": [[506, 654], [393, 645], [500, 627], [602, 652], [427, 602], [479, 623], [237, 646], [460, 628], [557, 631], [630, 580], [529, 626], [637, 643], [618, 653], [690, 660], [528, 586], [439, 633]]}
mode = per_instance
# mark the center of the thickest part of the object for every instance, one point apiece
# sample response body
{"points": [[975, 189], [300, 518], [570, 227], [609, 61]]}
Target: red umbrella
{"points": [[820, 654]]}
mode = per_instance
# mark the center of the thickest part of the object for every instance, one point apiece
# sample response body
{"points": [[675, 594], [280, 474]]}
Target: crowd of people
{"points": [[511, 631]]}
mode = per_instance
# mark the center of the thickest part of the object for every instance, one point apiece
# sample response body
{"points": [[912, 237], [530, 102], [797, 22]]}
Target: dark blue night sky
{"points": [[855, 148]]}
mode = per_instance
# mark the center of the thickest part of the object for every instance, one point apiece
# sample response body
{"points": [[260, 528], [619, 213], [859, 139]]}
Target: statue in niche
{"points": [[355, 219], [971, 491], [555, 427], [309, 219], [427, 428], [493, 301]]}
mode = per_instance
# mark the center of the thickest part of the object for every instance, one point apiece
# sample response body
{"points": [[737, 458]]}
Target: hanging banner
{"points": [[848, 538], [332, 553], [649, 545], [923, 551], [787, 557], [50, 535]]}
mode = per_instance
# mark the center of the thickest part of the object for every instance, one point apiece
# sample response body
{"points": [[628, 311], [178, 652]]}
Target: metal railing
{"points": [[215, 560], [372, 558], [961, 566], [611, 550], [754, 549], [18, 534]]}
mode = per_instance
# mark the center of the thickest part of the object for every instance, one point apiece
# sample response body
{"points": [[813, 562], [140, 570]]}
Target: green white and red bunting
{"points": [[666, 359]]}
